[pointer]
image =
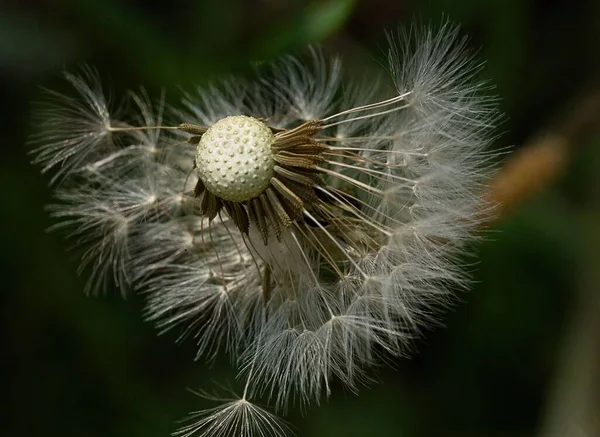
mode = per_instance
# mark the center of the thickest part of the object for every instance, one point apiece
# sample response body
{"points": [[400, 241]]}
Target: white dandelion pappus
{"points": [[309, 230], [234, 417]]}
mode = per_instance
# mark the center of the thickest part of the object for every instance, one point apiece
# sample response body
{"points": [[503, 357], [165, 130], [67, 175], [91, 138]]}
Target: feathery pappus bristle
{"points": [[307, 229]]}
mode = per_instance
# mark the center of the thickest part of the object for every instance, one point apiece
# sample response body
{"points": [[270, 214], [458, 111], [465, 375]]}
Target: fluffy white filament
{"points": [[406, 162]]}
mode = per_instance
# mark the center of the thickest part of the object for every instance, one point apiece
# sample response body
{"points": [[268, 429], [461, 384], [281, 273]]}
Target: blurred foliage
{"points": [[77, 366]]}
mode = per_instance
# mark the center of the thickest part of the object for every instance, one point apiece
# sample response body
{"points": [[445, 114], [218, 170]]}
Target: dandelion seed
{"points": [[71, 130], [309, 231], [235, 417]]}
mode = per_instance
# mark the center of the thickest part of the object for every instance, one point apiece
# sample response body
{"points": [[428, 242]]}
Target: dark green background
{"points": [[79, 366]]}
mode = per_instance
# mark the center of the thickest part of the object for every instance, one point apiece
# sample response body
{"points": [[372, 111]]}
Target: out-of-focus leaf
{"points": [[315, 23]]}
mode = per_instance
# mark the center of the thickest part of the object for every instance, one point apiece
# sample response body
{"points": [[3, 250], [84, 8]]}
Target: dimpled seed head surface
{"points": [[234, 158]]}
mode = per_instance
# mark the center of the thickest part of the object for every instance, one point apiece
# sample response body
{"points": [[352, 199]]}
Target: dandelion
{"points": [[308, 229]]}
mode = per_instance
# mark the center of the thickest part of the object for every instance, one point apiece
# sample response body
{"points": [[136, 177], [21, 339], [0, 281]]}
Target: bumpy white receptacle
{"points": [[234, 158]]}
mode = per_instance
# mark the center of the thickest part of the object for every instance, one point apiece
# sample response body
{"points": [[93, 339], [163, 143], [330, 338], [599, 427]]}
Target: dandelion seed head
{"points": [[310, 238]]}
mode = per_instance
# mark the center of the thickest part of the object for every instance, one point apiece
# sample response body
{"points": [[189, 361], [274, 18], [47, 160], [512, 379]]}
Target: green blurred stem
{"points": [[573, 408]]}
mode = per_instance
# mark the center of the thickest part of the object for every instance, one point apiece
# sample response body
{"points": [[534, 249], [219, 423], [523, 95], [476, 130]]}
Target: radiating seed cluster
{"points": [[310, 238], [234, 158]]}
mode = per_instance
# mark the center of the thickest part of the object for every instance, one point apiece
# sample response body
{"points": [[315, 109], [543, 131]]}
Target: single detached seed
{"points": [[257, 139]]}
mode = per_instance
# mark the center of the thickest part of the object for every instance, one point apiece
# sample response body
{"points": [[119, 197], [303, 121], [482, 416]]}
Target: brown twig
{"points": [[541, 160]]}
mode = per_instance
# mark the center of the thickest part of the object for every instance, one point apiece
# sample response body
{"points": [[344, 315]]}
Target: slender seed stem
{"points": [[140, 128], [369, 106], [362, 117]]}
